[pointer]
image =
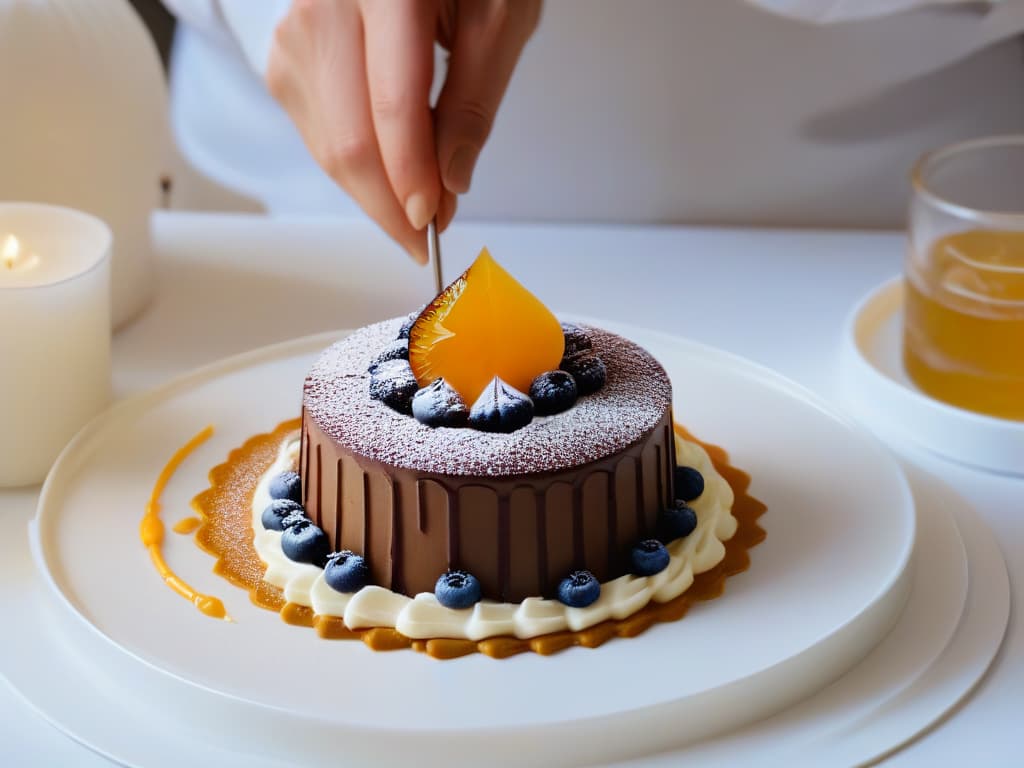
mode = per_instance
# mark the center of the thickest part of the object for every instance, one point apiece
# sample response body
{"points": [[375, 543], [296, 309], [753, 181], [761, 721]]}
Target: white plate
{"points": [[824, 588], [876, 388], [124, 710]]}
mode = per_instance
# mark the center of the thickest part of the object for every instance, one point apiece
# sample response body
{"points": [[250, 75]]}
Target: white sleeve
{"points": [[202, 15], [245, 24], [834, 11]]}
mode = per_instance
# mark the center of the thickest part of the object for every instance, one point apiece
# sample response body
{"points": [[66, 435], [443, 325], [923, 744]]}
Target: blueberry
{"points": [[394, 384], [395, 350], [576, 339], [553, 392], [277, 511], [457, 589], [403, 332], [649, 557], [500, 408], [587, 369], [689, 483], [292, 518], [438, 405], [579, 589], [676, 522], [287, 485], [304, 542], [346, 571]]}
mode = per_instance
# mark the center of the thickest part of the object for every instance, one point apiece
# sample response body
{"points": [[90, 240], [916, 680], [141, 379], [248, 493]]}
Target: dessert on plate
{"points": [[480, 476]]}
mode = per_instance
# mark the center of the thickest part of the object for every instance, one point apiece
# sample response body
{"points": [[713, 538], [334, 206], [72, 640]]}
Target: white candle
{"points": [[54, 333]]}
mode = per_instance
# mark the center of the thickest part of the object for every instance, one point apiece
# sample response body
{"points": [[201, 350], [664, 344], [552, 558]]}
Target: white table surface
{"points": [[232, 283]]}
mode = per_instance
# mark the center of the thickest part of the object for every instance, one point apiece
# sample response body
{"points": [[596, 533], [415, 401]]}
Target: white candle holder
{"points": [[54, 333]]}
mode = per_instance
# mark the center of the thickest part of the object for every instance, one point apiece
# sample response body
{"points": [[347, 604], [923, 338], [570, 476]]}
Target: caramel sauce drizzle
{"points": [[186, 525], [226, 533], [151, 531]]}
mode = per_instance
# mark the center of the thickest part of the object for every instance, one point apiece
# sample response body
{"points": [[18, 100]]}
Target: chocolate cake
{"points": [[518, 510], [479, 476]]}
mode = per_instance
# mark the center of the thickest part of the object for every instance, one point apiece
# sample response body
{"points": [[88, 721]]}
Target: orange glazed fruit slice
{"points": [[485, 324]]}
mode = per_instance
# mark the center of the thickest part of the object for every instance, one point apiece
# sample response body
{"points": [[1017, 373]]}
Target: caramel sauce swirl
{"points": [[186, 525], [151, 532]]}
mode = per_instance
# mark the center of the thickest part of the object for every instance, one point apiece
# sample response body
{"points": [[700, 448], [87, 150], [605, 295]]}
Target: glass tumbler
{"points": [[963, 333]]}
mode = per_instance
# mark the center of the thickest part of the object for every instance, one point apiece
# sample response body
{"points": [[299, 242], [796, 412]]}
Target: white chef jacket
{"points": [[769, 112]]}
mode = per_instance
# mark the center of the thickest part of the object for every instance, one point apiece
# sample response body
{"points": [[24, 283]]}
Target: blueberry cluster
{"points": [[580, 361], [649, 556], [393, 383], [345, 571], [679, 520], [500, 407], [304, 542]]}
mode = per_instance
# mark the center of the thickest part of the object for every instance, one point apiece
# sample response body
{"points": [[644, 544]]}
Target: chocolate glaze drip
{"points": [[612, 522], [641, 520], [519, 536], [452, 512], [395, 535], [540, 508], [319, 486], [338, 508], [366, 514], [304, 469]]}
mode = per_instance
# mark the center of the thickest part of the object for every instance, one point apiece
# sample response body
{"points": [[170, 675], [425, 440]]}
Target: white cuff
{"points": [[202, 15], [835, 11], [244, 23], [252, 25]]}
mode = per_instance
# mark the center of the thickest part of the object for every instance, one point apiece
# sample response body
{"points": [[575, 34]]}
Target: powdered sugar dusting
{"points": [[634, 398]]}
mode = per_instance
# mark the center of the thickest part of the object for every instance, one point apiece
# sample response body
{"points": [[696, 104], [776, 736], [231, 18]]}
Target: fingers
{"points": [[399, 40], [319, 76], [489, 36], [355, 78], [446, 210], [349, 150]]}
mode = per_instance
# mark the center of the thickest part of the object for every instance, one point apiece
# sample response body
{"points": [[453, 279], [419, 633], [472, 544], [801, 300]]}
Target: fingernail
{"points": [[460, 169], [417, 210]]}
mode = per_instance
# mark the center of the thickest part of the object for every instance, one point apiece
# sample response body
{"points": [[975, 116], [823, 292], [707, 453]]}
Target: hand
{"points": [[355, 77]]}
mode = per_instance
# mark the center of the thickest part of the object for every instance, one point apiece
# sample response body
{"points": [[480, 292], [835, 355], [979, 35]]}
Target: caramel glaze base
{"points": [[226, 533]]}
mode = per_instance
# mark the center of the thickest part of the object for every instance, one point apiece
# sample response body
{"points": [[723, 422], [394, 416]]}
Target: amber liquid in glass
{"points": [[964, 322]]}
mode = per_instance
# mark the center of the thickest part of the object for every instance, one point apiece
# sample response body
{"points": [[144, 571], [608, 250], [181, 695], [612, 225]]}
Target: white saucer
{"points": [[825, 587], [876, 388]]}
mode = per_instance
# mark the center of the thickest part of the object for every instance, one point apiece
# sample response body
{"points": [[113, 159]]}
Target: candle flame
{"points": [[9, 251]]}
